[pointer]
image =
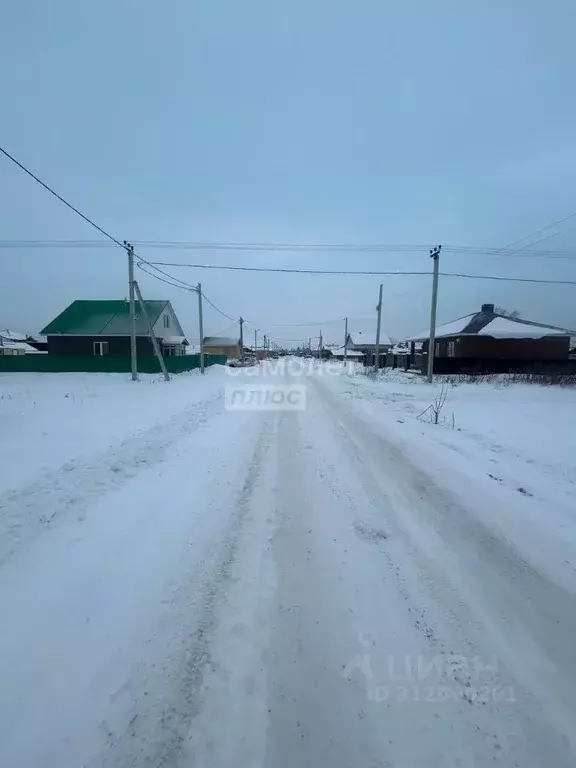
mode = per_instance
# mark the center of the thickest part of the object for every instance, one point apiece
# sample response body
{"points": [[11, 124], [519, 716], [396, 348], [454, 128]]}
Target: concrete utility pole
{"points": [[377, 347], [200, 327], [264, 347], [434, 254], [155, 344], [345, 338], [241, 337], [133, 360]]}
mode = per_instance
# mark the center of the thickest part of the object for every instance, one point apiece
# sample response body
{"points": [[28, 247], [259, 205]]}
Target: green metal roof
{"points": [[108, 317]]}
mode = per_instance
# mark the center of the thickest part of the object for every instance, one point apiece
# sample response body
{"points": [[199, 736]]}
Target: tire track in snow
{"points": [[27, 512], [481, 577], [162, 735]]}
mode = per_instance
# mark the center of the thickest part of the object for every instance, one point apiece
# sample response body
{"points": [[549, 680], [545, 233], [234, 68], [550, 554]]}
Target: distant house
{"points": [[491, 341], [221, 345], [89, 327], [40, 345], [363, 339], [6, 335], [11, 349], [352, 355], [14, 343]]}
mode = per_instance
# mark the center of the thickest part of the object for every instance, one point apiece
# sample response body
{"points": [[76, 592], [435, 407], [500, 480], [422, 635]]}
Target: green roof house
{"points": [[88, 327]]}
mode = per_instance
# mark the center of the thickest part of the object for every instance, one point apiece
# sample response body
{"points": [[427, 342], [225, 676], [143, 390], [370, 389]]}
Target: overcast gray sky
{"points": [[401, 121]]}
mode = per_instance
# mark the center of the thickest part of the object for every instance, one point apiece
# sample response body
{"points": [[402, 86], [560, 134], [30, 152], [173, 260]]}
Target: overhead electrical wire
{"points": [[274, 246], [59, 197], [162, 279], [485, 251], [235, 319], [187, 287], [176, 282], [167, 278], [73, 208], [182, 283], [364, 272], [537, 232], [306, 325]]}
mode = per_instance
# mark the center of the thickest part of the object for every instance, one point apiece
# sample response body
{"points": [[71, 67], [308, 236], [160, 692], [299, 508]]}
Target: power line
{"points": [[171, 280], [291, 270], [183, 283], [538, 231], [184, 286], [234, 319], [69, 205], [162, 280], [509, 279], [305, 325], [59, 197], [298, 247], [334, 247], [283, 338], [272, 246]]}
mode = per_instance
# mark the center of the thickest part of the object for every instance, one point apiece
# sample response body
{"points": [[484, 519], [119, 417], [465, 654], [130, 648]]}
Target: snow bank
{"points": [[515, 442], [49, 419]]}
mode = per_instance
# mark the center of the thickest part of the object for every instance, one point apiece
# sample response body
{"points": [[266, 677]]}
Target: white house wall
{"points": [[175, 328]]}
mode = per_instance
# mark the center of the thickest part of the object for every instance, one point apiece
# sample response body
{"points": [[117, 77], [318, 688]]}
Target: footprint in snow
{"points": [[368, 534]]}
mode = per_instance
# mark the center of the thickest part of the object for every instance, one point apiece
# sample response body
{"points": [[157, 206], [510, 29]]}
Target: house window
{"points": [[101, 348], [166, 321], [451, 348], [173, 350]]}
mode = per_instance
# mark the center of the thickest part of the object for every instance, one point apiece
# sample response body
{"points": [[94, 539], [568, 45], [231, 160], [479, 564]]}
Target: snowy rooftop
{"points": [[220, 341], [505, 328], [490, 323], [352, 353], [366, 334], [447, 329], [8, 335]]}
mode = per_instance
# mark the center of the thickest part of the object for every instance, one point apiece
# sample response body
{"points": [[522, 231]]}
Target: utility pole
{"points": [[256, 339], [377, 348], [345, 338], [153, 338], [241, 338], [320, 347], [435, 255], [264, 343], [133, 360], [200, 327]]}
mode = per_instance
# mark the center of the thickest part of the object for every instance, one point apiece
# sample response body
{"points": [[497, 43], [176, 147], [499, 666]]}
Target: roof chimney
{"points": [[489, 308]]}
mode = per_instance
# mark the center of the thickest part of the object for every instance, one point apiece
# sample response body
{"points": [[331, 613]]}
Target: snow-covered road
{"points": [[271, 589]]}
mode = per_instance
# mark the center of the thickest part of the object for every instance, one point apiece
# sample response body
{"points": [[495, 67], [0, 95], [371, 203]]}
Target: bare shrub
{"points": [[434, 410]]}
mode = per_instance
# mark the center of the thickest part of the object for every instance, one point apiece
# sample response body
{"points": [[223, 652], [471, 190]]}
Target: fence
{"points": [[101, 364], [387, 360], [481, 366]]}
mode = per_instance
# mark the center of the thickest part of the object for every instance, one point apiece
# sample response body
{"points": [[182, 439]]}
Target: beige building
{"points": [[221, 345]]}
